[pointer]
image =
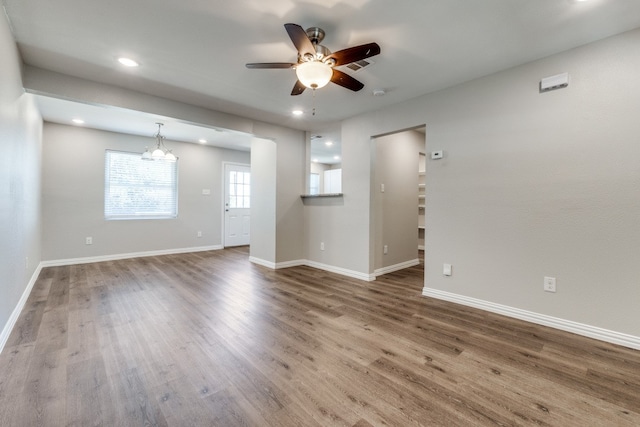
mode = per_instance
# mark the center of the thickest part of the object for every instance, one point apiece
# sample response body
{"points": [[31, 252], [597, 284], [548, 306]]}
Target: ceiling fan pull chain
{"points": [[313, 102]]}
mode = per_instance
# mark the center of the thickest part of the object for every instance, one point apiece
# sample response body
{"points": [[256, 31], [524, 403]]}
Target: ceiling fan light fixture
{"points": [[314, 74]]}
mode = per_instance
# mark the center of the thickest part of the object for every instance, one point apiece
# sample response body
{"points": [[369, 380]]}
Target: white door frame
{"points": [[223, 197]]}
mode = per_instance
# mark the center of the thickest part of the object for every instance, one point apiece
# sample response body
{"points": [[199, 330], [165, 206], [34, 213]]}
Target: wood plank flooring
{"points": [[209, 339]]}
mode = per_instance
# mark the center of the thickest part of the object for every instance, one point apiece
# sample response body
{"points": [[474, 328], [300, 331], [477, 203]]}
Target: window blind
{"points": [[139, 189]]}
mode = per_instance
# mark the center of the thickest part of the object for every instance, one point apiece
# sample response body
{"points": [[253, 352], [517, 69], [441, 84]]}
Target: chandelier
{"points": [[161, 152]]}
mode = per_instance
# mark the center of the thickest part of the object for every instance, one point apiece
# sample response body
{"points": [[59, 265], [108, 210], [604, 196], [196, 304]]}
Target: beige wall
{"points": [[20, 217], [73, 196]]}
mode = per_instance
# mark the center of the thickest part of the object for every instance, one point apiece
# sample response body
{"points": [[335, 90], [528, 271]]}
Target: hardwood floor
{"points": [[209, 339]]}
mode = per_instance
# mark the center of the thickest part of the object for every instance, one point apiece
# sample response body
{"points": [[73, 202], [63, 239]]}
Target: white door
{"points": [[237, 208]]}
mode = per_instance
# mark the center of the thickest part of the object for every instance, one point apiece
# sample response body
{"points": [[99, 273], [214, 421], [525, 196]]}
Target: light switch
{"points": [[446, 269], [206, 192]]}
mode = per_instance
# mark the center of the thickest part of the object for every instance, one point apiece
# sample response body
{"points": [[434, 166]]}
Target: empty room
{"points": [[320, 213]]}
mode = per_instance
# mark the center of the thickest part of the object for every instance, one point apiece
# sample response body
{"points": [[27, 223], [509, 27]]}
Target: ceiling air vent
{"points": [[359, 65]]}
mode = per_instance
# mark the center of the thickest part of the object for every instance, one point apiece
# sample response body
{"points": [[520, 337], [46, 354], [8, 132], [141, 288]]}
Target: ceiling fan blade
{"points": [[300, 39], [270, 65], [356, 53], [346, 80], [298, 88]]}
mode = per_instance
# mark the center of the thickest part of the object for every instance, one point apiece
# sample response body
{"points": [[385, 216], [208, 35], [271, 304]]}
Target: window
{"points": [[314, 183], [139, 189], [239, 189]]}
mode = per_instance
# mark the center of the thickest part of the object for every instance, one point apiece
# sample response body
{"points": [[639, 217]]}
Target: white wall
{"points": [[531, 185], [73, 196], [395, 212], [20, 217]]}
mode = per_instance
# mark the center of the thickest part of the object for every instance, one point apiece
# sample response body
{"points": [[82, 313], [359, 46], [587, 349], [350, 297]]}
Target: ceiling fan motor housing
{"points": [[315, 34]]}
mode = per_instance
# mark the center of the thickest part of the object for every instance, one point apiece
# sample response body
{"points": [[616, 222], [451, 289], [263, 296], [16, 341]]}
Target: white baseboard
{"points": [[396, 267], [262, 262], [340, 270], [102, 258], [540, 319], [8, 327], [319, 266], [279, 265], [294, 263]]}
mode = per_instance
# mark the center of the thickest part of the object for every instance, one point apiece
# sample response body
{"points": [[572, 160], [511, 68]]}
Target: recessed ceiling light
{"points": [[202, 141], [315, 160], [336, 157], [127, 62], [328, 143], [78, 121], [297, 112]]}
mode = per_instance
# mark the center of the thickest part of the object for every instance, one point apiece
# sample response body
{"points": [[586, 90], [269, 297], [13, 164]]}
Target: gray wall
{"points": [[395, 212], [73, 196], [531, 185], [20, 221], [291, 164], [263, 202]]}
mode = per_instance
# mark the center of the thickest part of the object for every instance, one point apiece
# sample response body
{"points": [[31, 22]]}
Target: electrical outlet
{"points": [[382, 188], [385, 249], [549, 284], [199, 233], [88, 241], [322, 246]]}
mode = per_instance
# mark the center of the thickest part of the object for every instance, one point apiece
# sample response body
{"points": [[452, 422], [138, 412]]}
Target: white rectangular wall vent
{"points": [[554, 82]]}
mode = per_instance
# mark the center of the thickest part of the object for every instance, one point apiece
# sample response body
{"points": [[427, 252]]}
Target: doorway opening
{"points": [[399, 200]]}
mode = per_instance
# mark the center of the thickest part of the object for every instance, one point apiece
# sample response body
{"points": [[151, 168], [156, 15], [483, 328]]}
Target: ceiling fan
{"points": [[315, 66]]}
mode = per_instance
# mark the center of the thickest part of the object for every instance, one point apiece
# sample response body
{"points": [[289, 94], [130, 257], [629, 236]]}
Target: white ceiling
{"points": [[195, 51]]}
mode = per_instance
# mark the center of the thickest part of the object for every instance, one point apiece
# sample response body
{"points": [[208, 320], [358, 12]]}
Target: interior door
{"points": [[237, 208]]}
